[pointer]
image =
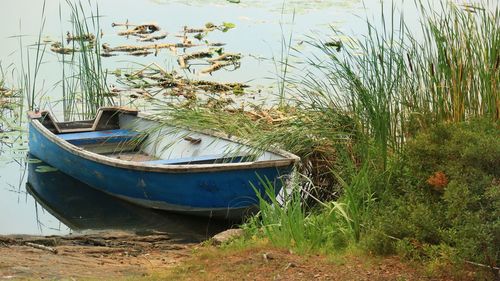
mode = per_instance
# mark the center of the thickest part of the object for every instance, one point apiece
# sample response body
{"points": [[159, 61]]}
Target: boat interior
{"points": [[121, 134]]}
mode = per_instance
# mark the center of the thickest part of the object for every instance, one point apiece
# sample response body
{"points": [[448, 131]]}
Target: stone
{"points": [[227, 236]]}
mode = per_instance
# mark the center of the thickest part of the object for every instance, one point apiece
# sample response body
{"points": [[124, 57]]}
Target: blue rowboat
{"points": [[129, 155]]}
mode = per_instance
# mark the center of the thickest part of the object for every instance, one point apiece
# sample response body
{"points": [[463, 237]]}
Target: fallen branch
{"points": [[41, 247], [126, 24], [57, 48], [198, 30], [82, 37], [216, 66], [483, 265], [128, 48], [141, 29], [182, 60], [226, 57], [140, 53], [151, 38]]}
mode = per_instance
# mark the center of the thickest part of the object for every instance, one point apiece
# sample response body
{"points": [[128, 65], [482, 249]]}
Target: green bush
{"points": [[445, 194]]}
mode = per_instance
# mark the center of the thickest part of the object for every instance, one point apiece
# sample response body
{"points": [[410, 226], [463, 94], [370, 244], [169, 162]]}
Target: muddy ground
{"points": [[156, 256], [101, 256]]}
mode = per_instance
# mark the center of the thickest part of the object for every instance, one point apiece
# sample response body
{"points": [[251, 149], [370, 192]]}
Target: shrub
{"points": [[445, 195]]}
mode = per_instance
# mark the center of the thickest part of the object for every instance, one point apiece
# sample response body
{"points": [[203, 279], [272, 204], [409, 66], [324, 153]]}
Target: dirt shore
{"points": [[101, 256]]}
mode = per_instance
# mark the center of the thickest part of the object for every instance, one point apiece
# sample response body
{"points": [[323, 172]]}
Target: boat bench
{"points": [[205, 159], [100, 137]]}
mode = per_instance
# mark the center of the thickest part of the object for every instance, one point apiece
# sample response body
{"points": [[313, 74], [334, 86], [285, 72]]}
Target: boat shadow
{"points": [[84, 209]]}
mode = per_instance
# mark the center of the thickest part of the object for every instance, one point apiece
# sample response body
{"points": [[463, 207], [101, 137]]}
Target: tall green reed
{"points": [[30, 70], [458, 62], [393, 82], [283, 64], [84, 84], [284, 223]]}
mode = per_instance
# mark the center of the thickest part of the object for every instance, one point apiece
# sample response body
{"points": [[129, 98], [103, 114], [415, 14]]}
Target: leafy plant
{"points": [[463, 213]]}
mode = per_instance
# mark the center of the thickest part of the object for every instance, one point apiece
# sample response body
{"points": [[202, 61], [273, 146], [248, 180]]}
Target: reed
{"points": [[83, 84], [30, 70], [458, 63], [284, 223], [283, 65], [394, 83], [84, 81]]}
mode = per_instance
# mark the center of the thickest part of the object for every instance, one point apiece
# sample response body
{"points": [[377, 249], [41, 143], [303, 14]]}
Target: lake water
{"points": [[53, 203]]}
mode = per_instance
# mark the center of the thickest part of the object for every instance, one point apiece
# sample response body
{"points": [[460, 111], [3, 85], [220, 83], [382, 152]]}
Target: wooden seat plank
{"points": [[95, 137]]}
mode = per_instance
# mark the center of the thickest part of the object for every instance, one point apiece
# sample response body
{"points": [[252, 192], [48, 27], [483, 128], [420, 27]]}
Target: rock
{"points": [[267, 256], [227, 236]]}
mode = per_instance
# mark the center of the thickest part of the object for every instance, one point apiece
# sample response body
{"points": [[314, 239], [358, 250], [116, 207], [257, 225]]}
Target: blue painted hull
{"points": [[68, 199], [220, 193]]}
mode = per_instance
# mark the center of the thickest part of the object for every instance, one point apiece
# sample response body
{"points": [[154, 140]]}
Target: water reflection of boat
{"points": [[128, 155], [81, 207]]}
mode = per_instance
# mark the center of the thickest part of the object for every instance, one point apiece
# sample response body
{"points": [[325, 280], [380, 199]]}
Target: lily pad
{"points": [[33, 161], [227, 25], [45, 169]]}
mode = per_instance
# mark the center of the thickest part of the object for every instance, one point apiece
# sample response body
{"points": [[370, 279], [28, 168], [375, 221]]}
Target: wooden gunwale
{"points": [[195, 168]]}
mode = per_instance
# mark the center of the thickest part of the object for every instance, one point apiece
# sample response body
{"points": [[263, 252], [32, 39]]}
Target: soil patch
{"points": [[101, 256], [265, 263]]}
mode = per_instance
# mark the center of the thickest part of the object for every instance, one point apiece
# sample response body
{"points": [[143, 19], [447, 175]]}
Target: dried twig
{"points": [[81, 37], [216, 66], [226, 57], [150, 38], [141, 29], [41, 247], [57, 48], [128, 48], [182, 60]]}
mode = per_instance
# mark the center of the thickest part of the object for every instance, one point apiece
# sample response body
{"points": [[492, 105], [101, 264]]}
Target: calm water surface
{"points": [[53, 203]]}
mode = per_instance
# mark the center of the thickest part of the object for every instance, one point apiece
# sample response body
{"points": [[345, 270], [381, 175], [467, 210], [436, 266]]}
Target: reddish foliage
{"points": [[438, 181]]}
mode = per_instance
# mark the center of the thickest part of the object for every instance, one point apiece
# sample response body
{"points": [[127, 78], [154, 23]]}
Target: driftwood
{"points": [[182, 60], [128, 48], [81, 37], [199, 30], [221, 61], [126, 24], [151, 38], [217, 65], [140, 29], [41, 247], [140, 53], [226, 57], [57, 48]]}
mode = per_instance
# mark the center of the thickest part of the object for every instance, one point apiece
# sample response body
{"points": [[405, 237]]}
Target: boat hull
{"points": [[228, 194]]}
